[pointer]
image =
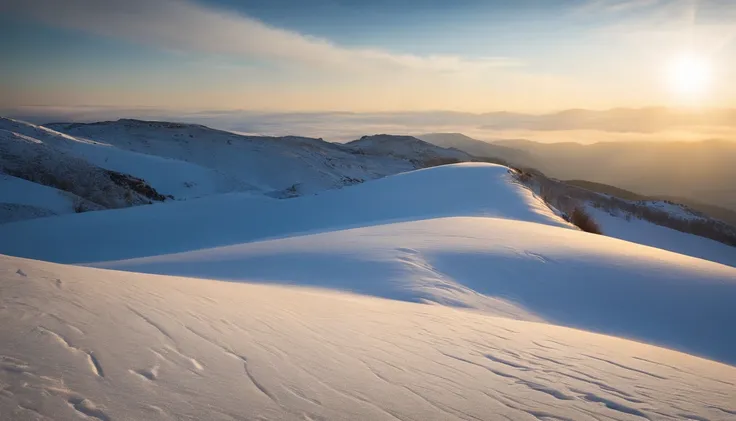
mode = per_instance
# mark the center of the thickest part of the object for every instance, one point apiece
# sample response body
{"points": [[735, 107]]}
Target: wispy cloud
{"points": [[704, 26], [190, 27], [616, 6]]}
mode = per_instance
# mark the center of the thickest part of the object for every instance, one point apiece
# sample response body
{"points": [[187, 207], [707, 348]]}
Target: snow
{"points": [[464, 235], [678, 211], [451, 293], [180, 179], [510, 268], [30, 158], [190, 161], [22, 192], [407, 147], [457, 190], [268, 163], [82, 343], [644, 232]]}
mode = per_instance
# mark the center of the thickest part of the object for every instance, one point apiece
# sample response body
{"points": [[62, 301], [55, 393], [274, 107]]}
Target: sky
{"points": [[367, 56]]}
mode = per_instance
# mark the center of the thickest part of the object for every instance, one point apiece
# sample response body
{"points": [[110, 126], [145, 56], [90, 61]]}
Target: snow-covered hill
{"points": [[290, 165], [406, 147], [186, 161], [464, 235], [80, 343], [459, 190], [516, 269], [656, 223], [470, 287], [170, 177], [636, 230], [33, 160]]}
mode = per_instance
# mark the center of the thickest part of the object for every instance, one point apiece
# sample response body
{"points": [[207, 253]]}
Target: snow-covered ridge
{"points": [[187, 161], [170, 177], [31, 159], [657, 223], [457, 190], [407, 147], [272, 164]]}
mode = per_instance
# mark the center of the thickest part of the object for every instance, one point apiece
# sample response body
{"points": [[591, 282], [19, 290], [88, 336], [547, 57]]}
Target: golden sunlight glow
{"points": [[690, 75]]}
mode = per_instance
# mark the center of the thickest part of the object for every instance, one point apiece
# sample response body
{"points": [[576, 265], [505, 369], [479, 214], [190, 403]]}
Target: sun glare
{"points": [[690, 75]]}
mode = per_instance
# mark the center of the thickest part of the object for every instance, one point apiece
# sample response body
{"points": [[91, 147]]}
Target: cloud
{"points": [[616, 6], [703, 26], [190, 27]]}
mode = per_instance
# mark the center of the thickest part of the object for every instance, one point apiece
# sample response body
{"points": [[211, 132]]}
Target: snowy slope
{"points": [[457, 190], [269, 163], [644, 232], [504, 267], [34, 197], [657, 223], [512, 257], [674, 209], [33, 160], [80, 343], [171, 177]]}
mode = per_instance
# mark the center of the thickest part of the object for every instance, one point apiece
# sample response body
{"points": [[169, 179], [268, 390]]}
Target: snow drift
{"points": [[80, 343], [510, 268]]}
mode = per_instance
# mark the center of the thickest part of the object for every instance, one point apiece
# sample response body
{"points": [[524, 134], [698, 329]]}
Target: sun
{"points": [[690, 75]]}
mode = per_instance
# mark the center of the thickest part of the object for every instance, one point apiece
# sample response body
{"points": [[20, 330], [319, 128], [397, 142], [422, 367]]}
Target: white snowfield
{"points": [[81, 343], [469, 289], [516, 269]]}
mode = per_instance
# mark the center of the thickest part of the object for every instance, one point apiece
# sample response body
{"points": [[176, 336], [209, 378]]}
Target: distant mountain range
{"points": [[345, 126], [698, 172]]}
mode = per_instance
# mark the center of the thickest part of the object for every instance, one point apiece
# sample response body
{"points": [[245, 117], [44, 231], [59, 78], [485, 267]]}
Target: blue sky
{"points": [[465, 55]]}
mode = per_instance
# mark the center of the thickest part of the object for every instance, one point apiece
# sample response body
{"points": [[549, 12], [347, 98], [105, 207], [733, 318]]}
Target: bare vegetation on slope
{"points": [[32, 160], [566, 198]]}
